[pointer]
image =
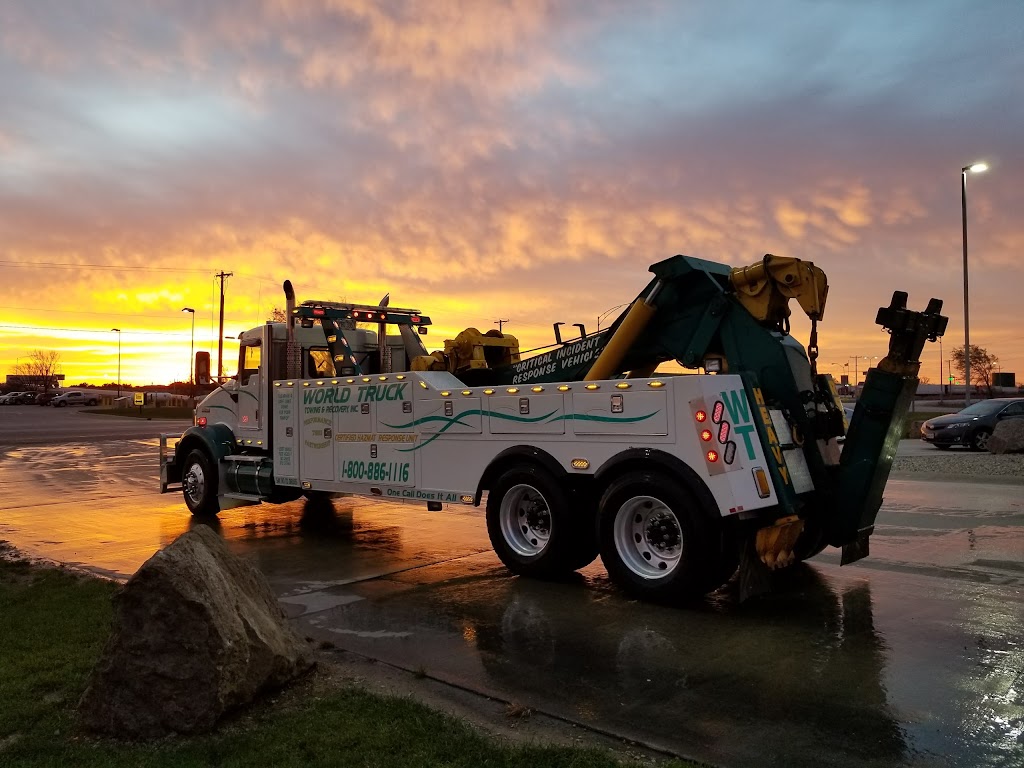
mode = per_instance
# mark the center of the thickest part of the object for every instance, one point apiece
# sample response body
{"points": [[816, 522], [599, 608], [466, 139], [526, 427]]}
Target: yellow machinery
{"points": [[471, 350]]}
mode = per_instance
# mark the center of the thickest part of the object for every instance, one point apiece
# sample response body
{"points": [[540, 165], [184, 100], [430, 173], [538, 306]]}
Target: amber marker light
{"points": [[706, 435], [712, 456], [761, 481], [701, 416]]}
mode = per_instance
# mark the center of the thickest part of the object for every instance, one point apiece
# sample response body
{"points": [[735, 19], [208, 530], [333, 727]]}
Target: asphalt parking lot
{"points": [[913, 656]]}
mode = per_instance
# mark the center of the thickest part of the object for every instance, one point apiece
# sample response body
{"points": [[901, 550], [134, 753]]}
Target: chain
{"points": [[812, 348]]}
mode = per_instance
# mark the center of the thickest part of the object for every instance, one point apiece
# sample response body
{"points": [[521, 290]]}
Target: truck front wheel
{"points": [[656, 541], [531, 527], [199, 484]]}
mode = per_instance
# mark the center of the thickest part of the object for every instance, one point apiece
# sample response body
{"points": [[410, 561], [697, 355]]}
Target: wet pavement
{"points": [[913, 656]]}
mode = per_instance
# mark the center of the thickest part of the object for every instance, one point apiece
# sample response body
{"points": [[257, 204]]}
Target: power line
{"points": [[89, 330], [113, 267], [49, 310], [121, 268]]}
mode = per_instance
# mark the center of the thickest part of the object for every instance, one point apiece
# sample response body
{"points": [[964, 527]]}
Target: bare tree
{"points": [[277, 315], [983, 363], [41, 369]]}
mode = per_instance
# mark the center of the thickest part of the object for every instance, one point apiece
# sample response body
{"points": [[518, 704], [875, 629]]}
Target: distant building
{"points": [[34, 382], [1004, 379]]}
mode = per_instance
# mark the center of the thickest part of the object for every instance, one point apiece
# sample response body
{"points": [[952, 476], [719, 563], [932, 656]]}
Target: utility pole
{"points": [[220, 336], [500, 324]]}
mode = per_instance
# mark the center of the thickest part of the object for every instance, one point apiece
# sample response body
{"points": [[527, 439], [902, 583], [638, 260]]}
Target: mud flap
{"points": [[755, 578], [858, 548]]}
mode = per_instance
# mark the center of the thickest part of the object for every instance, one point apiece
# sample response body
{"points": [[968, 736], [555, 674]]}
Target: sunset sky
{"points": [[480, 160]]}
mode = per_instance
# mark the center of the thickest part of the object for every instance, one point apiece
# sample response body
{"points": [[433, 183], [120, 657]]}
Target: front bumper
{"points": [[954, 436]]}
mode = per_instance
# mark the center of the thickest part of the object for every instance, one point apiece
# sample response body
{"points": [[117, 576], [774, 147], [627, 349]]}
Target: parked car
{"points": [[27, 398], [12, 398], [971, 427], [4, 399], [45, 398], [75, 398]]}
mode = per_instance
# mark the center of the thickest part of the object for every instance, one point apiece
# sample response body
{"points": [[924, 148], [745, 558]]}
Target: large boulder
{"points": [[197, 632], [1008, 437]]}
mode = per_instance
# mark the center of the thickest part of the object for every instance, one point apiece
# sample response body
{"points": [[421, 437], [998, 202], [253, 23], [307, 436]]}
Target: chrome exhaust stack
{"points": [[293, 352]]}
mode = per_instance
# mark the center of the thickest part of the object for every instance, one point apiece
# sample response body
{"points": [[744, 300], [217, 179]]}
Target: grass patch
{"points": [[54, 625], [175, 412]]}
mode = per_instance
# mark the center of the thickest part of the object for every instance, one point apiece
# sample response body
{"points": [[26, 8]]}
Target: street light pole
{"points": [[973, 168], [118, 331], [192, 356]]}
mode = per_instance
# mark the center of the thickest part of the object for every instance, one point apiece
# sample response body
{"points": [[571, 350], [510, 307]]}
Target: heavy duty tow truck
{"points": [[675, 480]]}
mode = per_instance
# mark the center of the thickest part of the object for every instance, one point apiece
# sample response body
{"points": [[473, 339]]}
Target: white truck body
{"points": [[427, 437]]}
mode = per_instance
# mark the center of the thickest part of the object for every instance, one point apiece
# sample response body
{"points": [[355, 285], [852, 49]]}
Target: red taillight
{"points": [[201, 421], [717, 412], [723, 432], [318, 311], [712, 456], [701, 416], [414, 319], [705, 435]]}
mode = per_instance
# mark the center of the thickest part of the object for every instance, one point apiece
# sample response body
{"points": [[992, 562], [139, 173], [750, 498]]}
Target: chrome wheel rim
{"points": [[981, 440], [525, 519], [648, 537], [194, 483]]}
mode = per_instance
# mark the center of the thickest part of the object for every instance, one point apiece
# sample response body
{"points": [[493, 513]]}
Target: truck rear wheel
{"points": [[199, 484], [656, 542], [531, 527]]}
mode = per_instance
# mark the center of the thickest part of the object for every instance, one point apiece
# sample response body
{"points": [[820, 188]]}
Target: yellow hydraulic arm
{"points": [[765, 289]]}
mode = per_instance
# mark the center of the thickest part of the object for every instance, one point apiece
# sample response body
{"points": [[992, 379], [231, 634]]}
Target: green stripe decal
{"points": [[451, 421]]}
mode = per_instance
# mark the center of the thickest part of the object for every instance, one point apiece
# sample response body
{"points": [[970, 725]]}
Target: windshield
{"points": [[982, 409]]}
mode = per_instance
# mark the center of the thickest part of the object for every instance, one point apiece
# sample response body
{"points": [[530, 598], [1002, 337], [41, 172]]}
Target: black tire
{"points": [[657, 543], [93, 402], [199, 484], [532, 528], [62, 404], [979, 440], [942, 447]]}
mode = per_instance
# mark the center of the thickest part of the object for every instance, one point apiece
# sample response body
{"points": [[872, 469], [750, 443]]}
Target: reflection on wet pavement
{"points": [[910, 657]]}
